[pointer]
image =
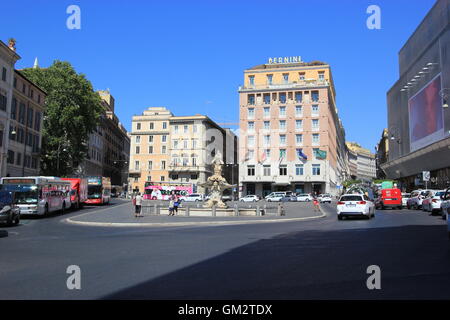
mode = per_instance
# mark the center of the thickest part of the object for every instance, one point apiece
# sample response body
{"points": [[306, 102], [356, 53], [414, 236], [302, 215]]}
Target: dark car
{"points": [[9, 211]]}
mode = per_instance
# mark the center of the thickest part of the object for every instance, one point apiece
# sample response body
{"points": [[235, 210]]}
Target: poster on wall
{"points": [[426, 121]]}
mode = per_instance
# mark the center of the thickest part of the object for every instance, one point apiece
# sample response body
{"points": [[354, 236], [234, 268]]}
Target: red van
{"points": [[391, 198]]}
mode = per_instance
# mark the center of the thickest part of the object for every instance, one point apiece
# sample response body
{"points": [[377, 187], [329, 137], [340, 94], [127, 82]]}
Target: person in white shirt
{"points": [[138, 205]]}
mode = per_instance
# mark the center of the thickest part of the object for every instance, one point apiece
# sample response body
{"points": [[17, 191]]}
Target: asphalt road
{"points": [[318, 259]]}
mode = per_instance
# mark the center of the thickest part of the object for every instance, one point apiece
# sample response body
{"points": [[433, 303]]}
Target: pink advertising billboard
{"points": [[426, 123]]}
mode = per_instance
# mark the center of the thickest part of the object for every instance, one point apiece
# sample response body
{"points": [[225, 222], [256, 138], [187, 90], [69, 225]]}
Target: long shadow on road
{"points": [[414, 262]]}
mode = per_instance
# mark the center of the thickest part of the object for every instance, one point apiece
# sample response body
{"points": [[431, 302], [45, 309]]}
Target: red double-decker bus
{"points": [[99, 190]]}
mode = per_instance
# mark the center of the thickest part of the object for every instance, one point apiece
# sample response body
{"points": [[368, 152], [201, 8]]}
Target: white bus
{"points": [[39, 195]]}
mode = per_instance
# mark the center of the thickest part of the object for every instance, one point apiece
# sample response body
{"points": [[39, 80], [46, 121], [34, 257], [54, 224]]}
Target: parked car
{"points": [[304, 197], [249, 198], [9, 211], [324, 198], [445, 206], [390, 198], [432, 201], [275, 196], [405, 197], [355, 205], [291, 197], [415, 202], [193, 197]]}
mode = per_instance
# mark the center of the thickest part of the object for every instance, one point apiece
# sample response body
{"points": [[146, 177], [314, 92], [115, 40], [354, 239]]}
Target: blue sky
{"points": [[190, 55]]}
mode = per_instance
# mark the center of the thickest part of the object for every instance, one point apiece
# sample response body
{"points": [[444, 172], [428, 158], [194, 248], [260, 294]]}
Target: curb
{"points": [[183, 224]]}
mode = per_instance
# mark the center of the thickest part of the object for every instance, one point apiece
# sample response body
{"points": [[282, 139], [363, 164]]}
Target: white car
{"points": [[193, 197], [324, 198], [355, 205], [304, 197], [432, 202], [249, 198], [415, 202], [275, 196], [405, 197]]}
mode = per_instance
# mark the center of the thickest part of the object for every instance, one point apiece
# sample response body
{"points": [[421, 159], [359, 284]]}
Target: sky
{"points": [[189, 56]]}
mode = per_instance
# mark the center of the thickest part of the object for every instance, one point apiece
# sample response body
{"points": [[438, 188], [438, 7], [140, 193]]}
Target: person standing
{"points": [[316, 204], [138, 200], [171, 207]]}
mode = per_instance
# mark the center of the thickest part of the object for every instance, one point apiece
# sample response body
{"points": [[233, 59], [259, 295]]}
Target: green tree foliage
{"points": [[72, 112]]}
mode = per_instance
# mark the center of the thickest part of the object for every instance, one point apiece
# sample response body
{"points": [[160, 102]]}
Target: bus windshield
{"points": [[94, 192], [25, 194]]}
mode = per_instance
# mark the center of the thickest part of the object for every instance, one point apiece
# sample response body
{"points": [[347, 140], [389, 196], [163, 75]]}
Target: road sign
{"points": [[426, 175]]}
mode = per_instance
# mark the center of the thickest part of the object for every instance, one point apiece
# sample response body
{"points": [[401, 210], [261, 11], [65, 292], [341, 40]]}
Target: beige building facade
{"points": [[177, 150], [291, 138], [363, 160]]}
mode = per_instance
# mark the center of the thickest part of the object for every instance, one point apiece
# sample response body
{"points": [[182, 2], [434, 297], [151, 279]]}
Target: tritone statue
{"points": [[217, 184]]}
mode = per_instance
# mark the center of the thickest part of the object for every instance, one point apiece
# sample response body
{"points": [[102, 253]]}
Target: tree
{"points": [[72, 112]]}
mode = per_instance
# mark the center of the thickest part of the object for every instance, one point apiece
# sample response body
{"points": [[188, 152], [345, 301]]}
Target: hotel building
{"points": [[291, 137], [362, 162], [178, 150]]}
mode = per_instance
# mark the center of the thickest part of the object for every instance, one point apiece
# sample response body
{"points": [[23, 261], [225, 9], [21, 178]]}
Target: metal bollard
{"points": [[187, 211], [264, 209], [258, 211], [156, 209], [279, 210], [214, 210], [236, 210]]}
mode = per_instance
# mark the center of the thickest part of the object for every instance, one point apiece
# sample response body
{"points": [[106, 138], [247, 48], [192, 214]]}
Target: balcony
{"points": [[308, 83], [183, 168]]}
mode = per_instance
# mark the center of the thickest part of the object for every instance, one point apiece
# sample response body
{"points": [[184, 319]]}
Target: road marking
{"points": [[92, 212]]}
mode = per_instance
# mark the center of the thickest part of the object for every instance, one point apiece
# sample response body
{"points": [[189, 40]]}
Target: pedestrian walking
{"points": [[138, 205], [171, 207], [176, 202], [316, 204]]}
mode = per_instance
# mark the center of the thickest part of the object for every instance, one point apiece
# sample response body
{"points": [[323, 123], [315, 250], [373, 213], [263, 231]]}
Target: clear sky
{"points": [[190, 55]]}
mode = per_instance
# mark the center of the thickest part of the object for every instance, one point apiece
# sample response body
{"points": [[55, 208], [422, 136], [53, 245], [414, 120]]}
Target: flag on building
{"points": [[263, 157], [301, 155], [321, 154], [247, 156], [282, 155]]}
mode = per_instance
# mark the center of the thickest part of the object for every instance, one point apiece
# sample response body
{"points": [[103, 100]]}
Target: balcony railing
{"points": [[290, 85]]}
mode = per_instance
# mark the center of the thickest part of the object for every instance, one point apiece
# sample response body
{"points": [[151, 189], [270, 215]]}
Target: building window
{"points": [[150, 139], [282, 139], [266, 98], [251, 99], [316, 169], [251, 154], [250, 170], [283, 125], [250, 141], [163, 165], [138, 126], [163, 138], [251, 80], [267, 140], [283, 97], [298, 124], [194, 161], [315, 139], [298, 139], [37, 121], [266, 171], [152, 125], [150, 165], [175, 129], [283, 154], [266, 125], [298, 97], [10, 157], [174, 177], [14, 109], [138, 139], [163, 149], [150, 149], [315, 109], [4, 74], [163, 178], [286, 78], [299, 169], [315, 96], [322, 75], [301, 76], [185, 144], [282, 111], [267, 153], [164, 125], [251, 113], [194, 128], [267, 112], [251, 126], [283, 170], [149, 178], [269, 79], [19, 159], [186, 129], [138, 150], [3, 102], [136, 165], [315, 124], [298, 111], [194, 176], [194, 144]]}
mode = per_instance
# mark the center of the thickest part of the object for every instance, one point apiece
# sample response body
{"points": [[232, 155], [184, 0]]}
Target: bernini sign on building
{"points": [[282, 60]]}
